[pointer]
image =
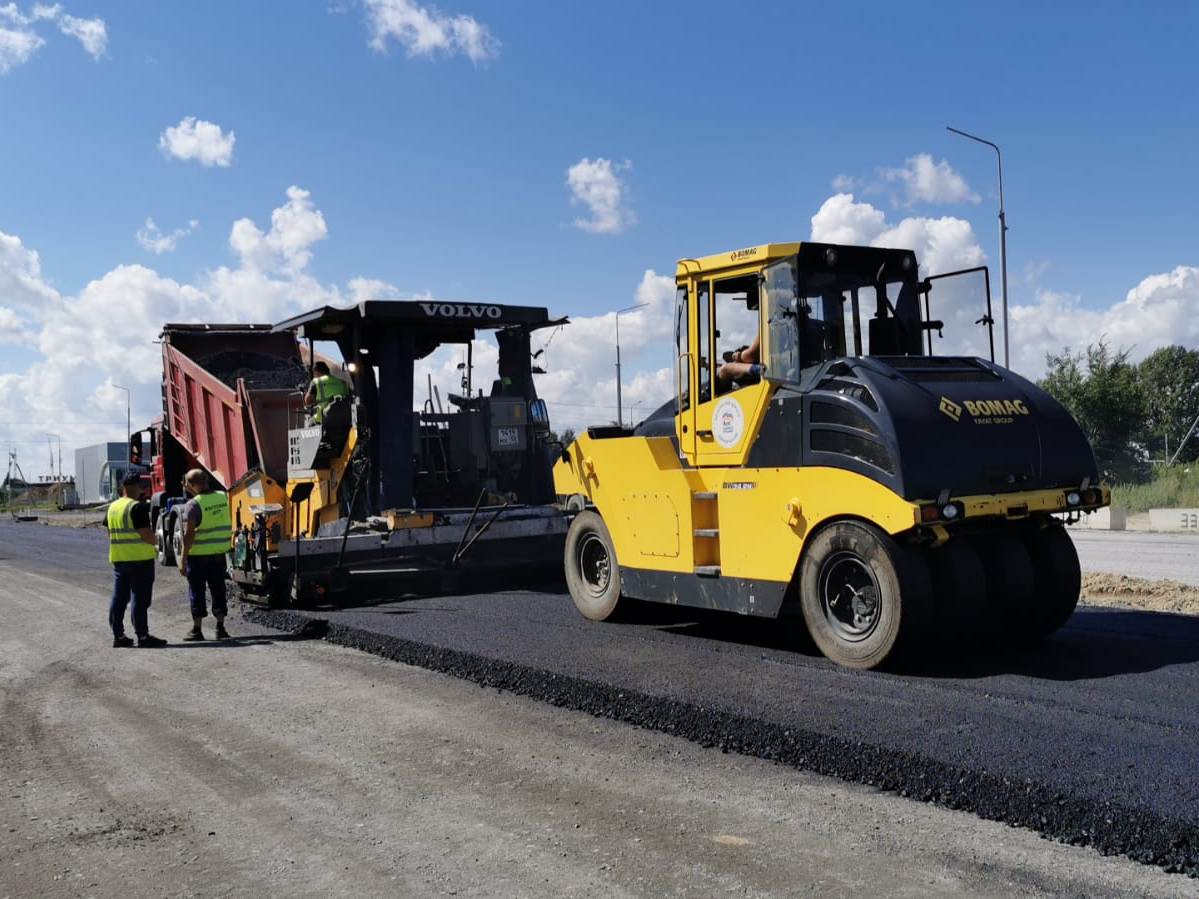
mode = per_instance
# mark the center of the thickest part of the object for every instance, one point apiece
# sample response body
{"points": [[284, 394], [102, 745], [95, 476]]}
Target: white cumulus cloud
{"points": [[926, 181], [287, 246], [17, 46], [425, 31], [91, 33], [152, 240], [597, 185], [105, 334], [197, 139], [1159, 311], [19, 39]]}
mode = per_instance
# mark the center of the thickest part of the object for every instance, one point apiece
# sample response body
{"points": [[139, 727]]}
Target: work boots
{"points": [[195, 635], [221, 633]]}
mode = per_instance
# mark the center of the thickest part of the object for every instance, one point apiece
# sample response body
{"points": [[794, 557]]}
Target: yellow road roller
{"points": [[825, 457]]}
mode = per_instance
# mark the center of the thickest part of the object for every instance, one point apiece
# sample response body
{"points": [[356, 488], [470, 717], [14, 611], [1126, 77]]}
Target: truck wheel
{"points": [[959, 592], [164, 538], [1057, 576], [592, 572], [1010, 589], [176, 532], [862, 595]]}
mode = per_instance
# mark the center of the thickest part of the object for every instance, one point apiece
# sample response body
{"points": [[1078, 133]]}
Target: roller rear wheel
{"points": [[959, 592], [863, 596], [1011, 588], [1057, 576]]}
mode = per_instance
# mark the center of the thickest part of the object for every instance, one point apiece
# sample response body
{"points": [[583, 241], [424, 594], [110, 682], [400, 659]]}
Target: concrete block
{"points": [[1174, 520], [1111, 518]]}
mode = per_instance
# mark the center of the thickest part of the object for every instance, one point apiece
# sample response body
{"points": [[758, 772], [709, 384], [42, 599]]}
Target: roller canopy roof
{"points": [[435, 320]]}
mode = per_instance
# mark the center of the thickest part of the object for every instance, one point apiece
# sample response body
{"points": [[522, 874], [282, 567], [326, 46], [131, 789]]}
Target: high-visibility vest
{"points": [[125, 544], [326, 387], [215, 533]]}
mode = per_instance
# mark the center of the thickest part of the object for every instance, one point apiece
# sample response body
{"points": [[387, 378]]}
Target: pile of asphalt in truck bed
{"points": [[260, 371]]}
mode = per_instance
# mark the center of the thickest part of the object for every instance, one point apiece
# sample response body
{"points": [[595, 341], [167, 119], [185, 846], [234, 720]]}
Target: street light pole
{"points": [[1002, 238], [128, 421], [619, 411]]}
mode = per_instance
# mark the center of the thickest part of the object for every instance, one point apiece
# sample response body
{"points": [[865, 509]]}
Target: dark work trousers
{"points": [[207, 571], [136, 578]]}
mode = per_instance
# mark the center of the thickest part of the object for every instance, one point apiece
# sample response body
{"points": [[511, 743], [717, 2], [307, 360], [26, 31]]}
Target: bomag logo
{"points": [[738, 255], [992, 408], [461, 310], [984, 411]]}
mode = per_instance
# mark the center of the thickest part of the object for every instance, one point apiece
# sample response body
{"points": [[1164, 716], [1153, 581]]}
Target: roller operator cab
{"points": [[835, 452]]}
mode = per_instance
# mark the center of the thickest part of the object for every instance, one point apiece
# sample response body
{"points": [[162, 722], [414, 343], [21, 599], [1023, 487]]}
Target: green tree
{"points": [[1170, 381], [1100, 388]]}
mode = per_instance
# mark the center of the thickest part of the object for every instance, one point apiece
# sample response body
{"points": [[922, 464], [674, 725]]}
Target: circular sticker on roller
{"points": [[728, 422]]}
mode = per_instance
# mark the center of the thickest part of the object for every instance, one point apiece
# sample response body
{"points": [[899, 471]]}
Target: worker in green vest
{"points": [[207, 534], [131, 550], [322, 391]]}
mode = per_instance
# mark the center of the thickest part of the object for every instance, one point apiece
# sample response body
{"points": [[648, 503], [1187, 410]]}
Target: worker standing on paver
{"points": [[322, 391], [207, 531], [131, 550]]}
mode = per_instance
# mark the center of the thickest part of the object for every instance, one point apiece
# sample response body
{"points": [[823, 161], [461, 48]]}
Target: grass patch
{"points": [[1170, 487]]}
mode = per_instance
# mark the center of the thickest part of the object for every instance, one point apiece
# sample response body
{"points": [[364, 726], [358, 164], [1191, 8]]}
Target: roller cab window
{"points": [[823, 311]]}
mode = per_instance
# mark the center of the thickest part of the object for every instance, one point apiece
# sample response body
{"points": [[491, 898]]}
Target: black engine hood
{"points": [[970, 427], [924, 425]]}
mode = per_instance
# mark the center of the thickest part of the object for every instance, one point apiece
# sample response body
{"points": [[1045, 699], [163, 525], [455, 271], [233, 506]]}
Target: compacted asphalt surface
{"points": [[1092, 738]]}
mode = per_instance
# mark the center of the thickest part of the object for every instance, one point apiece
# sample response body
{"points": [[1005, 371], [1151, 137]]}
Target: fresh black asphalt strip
{"points": [[1083, 807]]}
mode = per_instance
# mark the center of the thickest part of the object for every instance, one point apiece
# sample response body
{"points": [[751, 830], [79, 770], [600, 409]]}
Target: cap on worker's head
{"points": [[321, 368], [131, 478]]}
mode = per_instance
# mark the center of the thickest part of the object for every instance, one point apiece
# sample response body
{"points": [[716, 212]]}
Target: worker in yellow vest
{"points": [[207, 535], [322, 390], [131, 550]]}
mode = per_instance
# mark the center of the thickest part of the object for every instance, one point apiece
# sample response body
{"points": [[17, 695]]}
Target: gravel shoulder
{"points": [[274, 766]]}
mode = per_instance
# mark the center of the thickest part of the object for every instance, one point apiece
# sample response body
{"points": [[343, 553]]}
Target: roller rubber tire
{"points": [[589, 553], [1011, 589], [896, 619], [1058, 577], [959, 591]]}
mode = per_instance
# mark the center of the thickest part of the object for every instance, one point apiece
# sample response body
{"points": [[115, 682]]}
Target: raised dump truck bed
{"points": [[225, 395], [226, 392]]}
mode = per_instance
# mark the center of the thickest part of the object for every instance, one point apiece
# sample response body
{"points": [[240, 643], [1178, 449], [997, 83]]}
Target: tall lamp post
{"points": [[128, 421], [1002, 237], [619, 411]]}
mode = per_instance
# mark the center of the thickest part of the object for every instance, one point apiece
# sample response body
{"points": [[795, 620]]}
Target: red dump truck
{"points": [[226, 394]]}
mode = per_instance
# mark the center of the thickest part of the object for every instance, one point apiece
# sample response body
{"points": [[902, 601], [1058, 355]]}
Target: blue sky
{"points": [[438, 175]]}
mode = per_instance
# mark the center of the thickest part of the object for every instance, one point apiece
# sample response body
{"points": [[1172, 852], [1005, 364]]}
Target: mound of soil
{"points": [[1102, 589]]}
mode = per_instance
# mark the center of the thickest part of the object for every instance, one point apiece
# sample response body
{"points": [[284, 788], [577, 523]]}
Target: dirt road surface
{"points": [[277, 766]]}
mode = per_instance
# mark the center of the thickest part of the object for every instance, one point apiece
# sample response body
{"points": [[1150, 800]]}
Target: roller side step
{"points": [[707, 570], [707, 532], [704, 495]]}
